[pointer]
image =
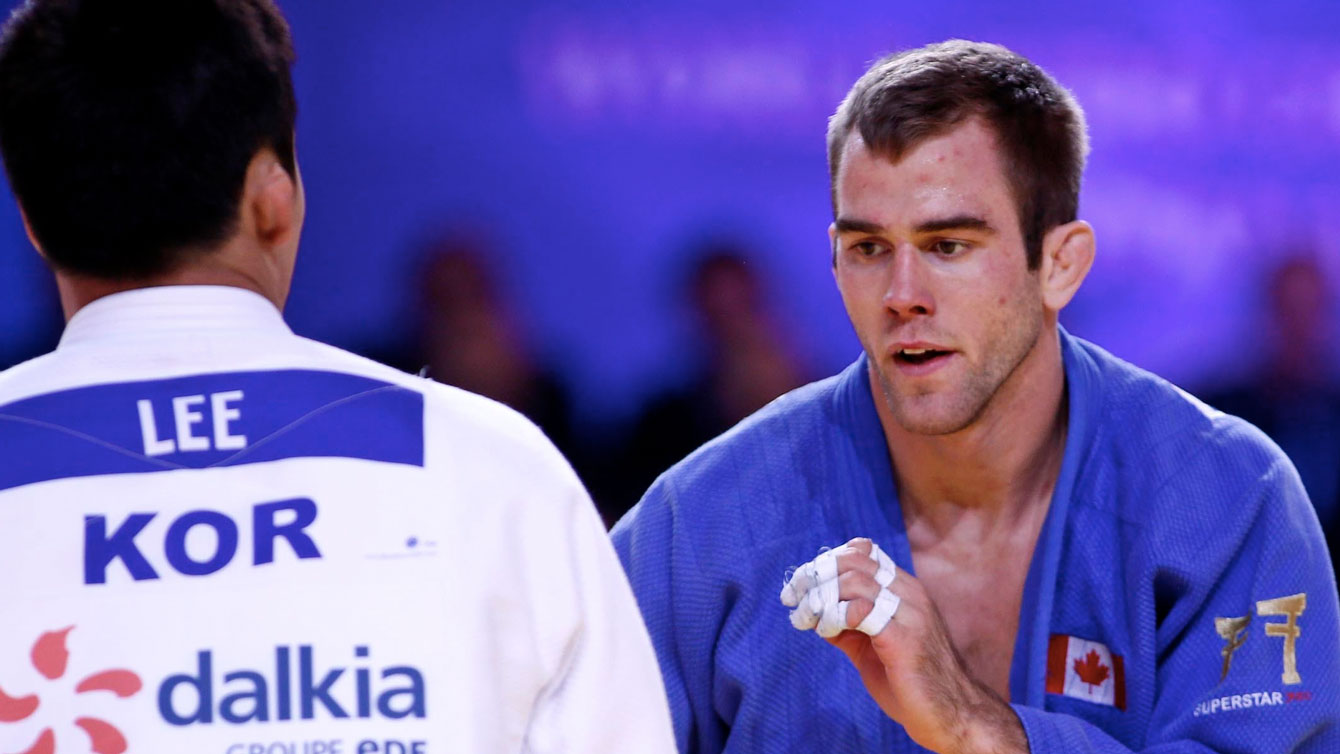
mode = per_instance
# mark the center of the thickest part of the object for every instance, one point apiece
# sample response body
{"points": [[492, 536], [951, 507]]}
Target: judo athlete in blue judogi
{"points": [[1073, 555]]}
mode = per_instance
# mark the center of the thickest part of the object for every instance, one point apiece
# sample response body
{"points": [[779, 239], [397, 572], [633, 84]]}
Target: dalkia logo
{"points": [[250, 696], [50, 657], [295, 688]]}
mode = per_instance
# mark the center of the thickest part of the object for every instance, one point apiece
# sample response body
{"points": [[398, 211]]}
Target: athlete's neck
{"points": [[231, 265], [1000, 468], [259, 255]]}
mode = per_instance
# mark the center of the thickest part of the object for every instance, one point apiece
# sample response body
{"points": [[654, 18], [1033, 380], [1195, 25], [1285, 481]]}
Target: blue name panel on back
{"points": [[210, 420]]}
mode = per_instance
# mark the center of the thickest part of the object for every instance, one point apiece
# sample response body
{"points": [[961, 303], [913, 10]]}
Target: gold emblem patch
{"points": [[1234, 633]]}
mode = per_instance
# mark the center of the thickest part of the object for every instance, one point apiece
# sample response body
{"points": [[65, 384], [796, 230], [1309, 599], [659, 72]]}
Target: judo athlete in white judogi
{"points": [[218, 537]]}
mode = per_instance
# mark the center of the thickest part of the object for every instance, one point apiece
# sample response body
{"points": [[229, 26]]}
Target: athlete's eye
{"points": [[869, 248], [949, 248]]}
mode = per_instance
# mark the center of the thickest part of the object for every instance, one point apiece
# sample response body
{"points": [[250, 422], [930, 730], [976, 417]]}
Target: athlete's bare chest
{"points": [[979, 597]]}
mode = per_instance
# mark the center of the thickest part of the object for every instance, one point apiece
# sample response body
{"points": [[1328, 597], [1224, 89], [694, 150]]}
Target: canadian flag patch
{"points": [[1085, 670]]}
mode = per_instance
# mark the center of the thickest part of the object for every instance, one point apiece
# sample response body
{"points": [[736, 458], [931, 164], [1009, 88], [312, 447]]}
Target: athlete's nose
{"points": [[908, 293]]}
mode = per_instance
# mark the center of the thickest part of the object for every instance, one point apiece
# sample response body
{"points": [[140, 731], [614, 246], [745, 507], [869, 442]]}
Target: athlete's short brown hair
{"points": [[917, 94]]}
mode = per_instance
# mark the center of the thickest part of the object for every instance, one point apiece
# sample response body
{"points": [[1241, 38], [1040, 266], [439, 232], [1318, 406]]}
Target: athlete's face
{"points": [[930, 262]]}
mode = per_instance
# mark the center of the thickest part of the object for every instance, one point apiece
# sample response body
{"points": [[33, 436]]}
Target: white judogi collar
{"points": [[172, 309]]}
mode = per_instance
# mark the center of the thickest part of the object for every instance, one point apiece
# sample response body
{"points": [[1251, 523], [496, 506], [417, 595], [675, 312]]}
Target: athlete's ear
{"points": [[1067, 255], [271, 202], [832, 243]]}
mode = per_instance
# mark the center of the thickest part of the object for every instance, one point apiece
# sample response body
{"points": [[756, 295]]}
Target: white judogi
{"points": [[281, 547]]}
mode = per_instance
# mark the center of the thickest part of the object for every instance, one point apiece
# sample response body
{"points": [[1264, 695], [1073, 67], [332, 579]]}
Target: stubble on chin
{"points": [[955, 406], [934, 412]]}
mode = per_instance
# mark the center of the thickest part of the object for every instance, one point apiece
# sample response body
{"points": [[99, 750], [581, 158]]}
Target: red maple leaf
{"points": [[1091, 669]]}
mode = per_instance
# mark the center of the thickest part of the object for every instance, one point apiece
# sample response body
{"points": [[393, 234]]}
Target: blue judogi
{"points": [[1171, 527]]}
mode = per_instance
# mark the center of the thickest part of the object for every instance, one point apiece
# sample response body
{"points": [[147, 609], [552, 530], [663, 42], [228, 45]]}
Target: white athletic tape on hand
{"points": [[813, 592], [834, 620], [887, 570], [793, 591], [825, 566], [796, 595], [803, 619], [815, 604], [886, 604], [810, 575], [790, 596]]}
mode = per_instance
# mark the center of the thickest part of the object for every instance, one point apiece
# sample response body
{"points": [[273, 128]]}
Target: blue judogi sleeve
{"points": [[706, 551], [667, 579], [1260, 602]]}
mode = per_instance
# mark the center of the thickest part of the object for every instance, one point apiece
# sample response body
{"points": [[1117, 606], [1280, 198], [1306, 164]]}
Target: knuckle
{"points": [[915, 588], [857, 610], [861, 544], [852, 578], [854, 584], [854, 561]]}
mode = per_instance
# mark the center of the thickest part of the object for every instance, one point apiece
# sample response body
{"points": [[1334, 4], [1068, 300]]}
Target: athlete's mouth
{"points": [[918, 355]]}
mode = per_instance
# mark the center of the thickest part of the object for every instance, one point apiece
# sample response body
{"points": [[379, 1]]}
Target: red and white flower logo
{"points": [[50, 657]]}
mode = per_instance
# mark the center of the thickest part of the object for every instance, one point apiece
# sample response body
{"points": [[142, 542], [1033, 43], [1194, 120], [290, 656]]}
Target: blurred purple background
{"points": [[597, 143]]}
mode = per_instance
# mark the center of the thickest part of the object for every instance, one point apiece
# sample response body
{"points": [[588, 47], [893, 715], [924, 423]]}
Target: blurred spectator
{"points": [[466, 335], [745, 362], [1295, 395]]}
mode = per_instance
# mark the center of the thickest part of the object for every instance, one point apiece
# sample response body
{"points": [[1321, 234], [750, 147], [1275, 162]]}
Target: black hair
{"points": [[127, 126]]}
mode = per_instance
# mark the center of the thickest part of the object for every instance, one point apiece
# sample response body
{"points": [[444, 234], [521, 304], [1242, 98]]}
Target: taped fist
{"points": [[816, 591], [886, 623]]}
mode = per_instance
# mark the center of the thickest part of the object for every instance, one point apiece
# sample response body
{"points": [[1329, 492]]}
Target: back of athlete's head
{"points": [[919, 94], [127, 126]]}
